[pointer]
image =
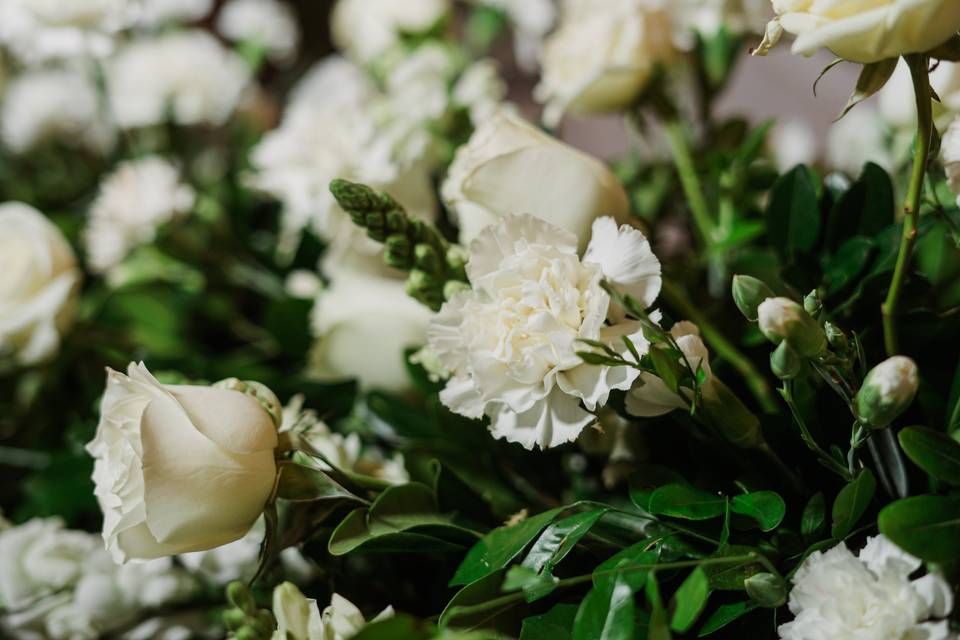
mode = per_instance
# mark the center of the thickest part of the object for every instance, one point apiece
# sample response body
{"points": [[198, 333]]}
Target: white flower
{"points": [[707, 17], [509, 166], [782, 319], [887, 391], [480, 89], [650, 395], [137, 198], [857, 138], [511, 342], [267, 23], [870, 597], [900, 113], [362, 324], [186, 75], [158, 12], [179, 468], [38, 30], [950, 152], [601, 56], [363, 29], [867, 30], [39, 281], [793, 142], [61, 105], [531, 20], [299, 618]]}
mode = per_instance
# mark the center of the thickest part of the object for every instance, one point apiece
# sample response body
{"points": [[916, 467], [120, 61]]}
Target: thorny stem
{"points": [[921, 87]]}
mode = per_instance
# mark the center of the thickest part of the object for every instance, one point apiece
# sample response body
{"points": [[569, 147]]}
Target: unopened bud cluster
{"points": [[243, 618]]}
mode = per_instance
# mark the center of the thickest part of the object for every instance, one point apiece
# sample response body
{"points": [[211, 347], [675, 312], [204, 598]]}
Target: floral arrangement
{"points": [[388, 358]]}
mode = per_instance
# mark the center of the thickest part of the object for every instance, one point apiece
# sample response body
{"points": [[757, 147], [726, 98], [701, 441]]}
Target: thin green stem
{"points": [[825, 458], [676, 134], [677, 298], [921, 86]]}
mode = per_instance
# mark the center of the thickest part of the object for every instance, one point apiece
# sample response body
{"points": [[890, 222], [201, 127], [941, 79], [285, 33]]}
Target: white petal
{"points": [[936, 593], [881, 555], [552, 421], [652, 398], [626, 259], [510, 236]]}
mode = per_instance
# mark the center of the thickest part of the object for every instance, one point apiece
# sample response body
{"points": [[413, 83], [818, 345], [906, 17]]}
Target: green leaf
{"points": [[559, 539], [667, 368], [607, 612], [646, 479], [659, 626], [496, 549], [689, 600], [844, 267], [872, 78], [852, 503], [397, 627], [555, 624], [953, 403], [793, 214], [684, 501], [766, 507], [936, 453], [299, 483], [925, 526], [624, 564], [814, 517], [724, 615], [481, 605], [730, 577]]}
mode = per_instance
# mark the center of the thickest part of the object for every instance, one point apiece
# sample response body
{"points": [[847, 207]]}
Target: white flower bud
{"points": [[782, 319], [887, 391]]}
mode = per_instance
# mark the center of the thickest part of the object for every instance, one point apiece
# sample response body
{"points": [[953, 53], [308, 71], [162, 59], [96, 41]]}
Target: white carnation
{"points": [[267, 23], [480, 89], [138, 197], [531, 20], [651, 396], [186, 75], [870, 597], [54, 105], [299, 618], [38, 30], [511, 342], [157, 12], [364, 29]]}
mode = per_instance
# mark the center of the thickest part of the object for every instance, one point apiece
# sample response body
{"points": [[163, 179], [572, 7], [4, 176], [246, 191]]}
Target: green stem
{"points": [[825, 458], [677, 298], [921, 87], [676, 134]]}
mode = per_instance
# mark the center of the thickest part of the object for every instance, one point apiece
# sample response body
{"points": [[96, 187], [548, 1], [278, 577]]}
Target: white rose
{"points": [[707, 17], [364, 29], [857, 138], [187, 76], [839, 595], [363, 323], [267, 23], [60, 105], [602, 54], [136, 199], [867, 30], [480, 89], [509, 166], [39, 280], [299, 617], [793, 142], [950, 152], [38, 30], [154, 13], [179, 467], [511, 342]]}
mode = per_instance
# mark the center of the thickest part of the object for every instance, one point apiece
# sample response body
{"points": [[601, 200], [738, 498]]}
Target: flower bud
{"points": [[784, 362], [782, 319], [812, 304], [887, 391], [836, 338], [748, 293], [767, 590]]}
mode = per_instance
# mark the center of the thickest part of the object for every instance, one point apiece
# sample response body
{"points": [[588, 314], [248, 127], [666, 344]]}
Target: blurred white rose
{"points": [[857, 138], [839, 595], [602, 55], [509, 166], [54, 105], [899, 110], [480, 89], [793, 142], [39, 282], [707, 17], [154, 13], [363, 29], [38, 30], [362, 324], [179, 467], [531, 20], [138, 197], [267, 23], [950, 153], [187, 76], [510, 343], [299, 617], [866, 30]]}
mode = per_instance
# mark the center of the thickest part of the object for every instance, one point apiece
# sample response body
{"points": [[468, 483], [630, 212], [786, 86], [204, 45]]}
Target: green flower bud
{"points": [[784, 362], [748, 293], [453, 287], [812, 304], [767, 590], [457, 257], [887, 391], [782, 319], [248, 633], [233, 619], [396, 221], [427, 258], [398, 252], [238, 594]]}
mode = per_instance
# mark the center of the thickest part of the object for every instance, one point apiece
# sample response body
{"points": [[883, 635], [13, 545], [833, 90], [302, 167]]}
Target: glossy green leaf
{"points": [[481, 605], [559, 539], [626, 563], [690, 600], [724, 615], [684, 501], [926, 526], [658, 627], [936, 453], [766, 507], [607, 612], [555, 624], [645, 480], [496, 549], [299, 483], [793, 214], [730, 577], [814, 516], [852, 503]]}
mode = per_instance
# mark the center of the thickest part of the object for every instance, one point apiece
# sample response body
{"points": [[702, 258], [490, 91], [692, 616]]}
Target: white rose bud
{"points": [[510, 166], [887, 391], [950, 152], [867, 30], [782, 319], [602, 55], [179, 467], [39, 281]]}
